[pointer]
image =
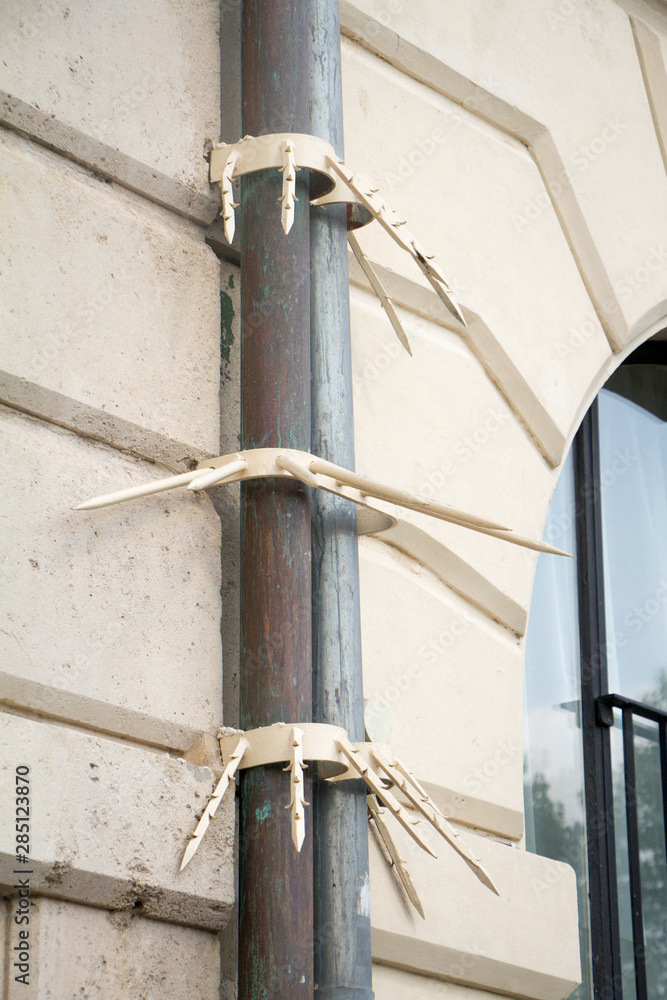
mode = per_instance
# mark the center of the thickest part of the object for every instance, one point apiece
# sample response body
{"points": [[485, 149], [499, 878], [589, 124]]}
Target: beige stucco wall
{"points": [[525, 143]]}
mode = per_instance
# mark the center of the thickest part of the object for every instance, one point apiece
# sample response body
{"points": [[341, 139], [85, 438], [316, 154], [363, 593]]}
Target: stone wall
{"points": [[526, 144], [111, 641]]}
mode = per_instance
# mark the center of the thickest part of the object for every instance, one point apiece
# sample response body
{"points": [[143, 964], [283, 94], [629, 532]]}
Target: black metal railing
{"points": [[631, 710]]}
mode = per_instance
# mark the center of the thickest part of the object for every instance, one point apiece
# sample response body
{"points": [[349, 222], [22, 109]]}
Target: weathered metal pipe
{"points": [[276, 883], [342, 895]]}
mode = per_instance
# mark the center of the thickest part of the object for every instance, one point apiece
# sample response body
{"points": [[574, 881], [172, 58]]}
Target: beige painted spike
{"points": [[465, 521], [441, 511], [527, 543], [215, 476], [383, 492], [404, 779], [375, 783], [383, 834], [444, 293], [228, 204], [297, 801], [259, 462], [429, 262], [410, 776], [288, 197], [226, 779], [145, 490], [398, 231], [379, 290], [298, 471]]}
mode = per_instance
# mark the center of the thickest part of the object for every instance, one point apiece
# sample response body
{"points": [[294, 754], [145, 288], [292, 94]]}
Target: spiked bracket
{"points": [[331, 181], [315, 472], [392, 788]]}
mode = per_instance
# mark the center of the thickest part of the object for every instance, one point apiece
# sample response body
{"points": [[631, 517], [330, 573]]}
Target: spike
{"points": [[402, 497], [399, 232], [146, 490], [408, 784], [211, 477], [298, 471], [383, 834], [288, 197], [437, 281], [226, 779], [441, 511], [379, 290], [376, 785], [527, 543], [297, 801], [228, 204]]}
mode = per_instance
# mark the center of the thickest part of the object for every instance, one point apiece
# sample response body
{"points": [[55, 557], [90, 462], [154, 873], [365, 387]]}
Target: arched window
{"points": [[596, 684]]}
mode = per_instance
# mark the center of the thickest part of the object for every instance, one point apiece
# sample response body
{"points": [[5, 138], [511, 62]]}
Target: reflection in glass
{"points": [[633, 474], [622, 861], [633, 460], [553, 772], [652, 863], [652, 855]]}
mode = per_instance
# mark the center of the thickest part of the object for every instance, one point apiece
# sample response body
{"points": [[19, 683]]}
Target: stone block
{"points": [[576, 72], [81, 951], [435, 424], [523, 942], [4, 922], [112, 617], [141, 77], [108, 300], [109, 822], [522, 281], [395, 984], [451, 683]]}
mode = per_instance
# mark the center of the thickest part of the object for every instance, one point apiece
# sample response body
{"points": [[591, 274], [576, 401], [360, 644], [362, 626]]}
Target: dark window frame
{"points": [[597, 707]]}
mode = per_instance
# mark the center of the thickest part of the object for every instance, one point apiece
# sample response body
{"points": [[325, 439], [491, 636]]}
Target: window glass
{"points": [[633, 486], [653, 873], [554, 781], [627, 963], [632, 495]]}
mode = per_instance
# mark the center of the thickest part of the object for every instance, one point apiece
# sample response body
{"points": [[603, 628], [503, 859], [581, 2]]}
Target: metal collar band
{"points": [[340, 760], [331, 182]]}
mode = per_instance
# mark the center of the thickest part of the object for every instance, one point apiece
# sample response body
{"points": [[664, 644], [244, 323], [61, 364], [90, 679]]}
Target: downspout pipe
{"points": [[342, 893], [275, 883]]}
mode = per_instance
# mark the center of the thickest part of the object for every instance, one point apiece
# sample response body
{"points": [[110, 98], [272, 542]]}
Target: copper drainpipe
{"points": [[294, 288], [342, 891], [275, 883]]}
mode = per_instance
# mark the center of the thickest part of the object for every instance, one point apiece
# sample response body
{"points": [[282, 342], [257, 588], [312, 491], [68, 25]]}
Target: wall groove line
{"points": [[386, 44]]}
